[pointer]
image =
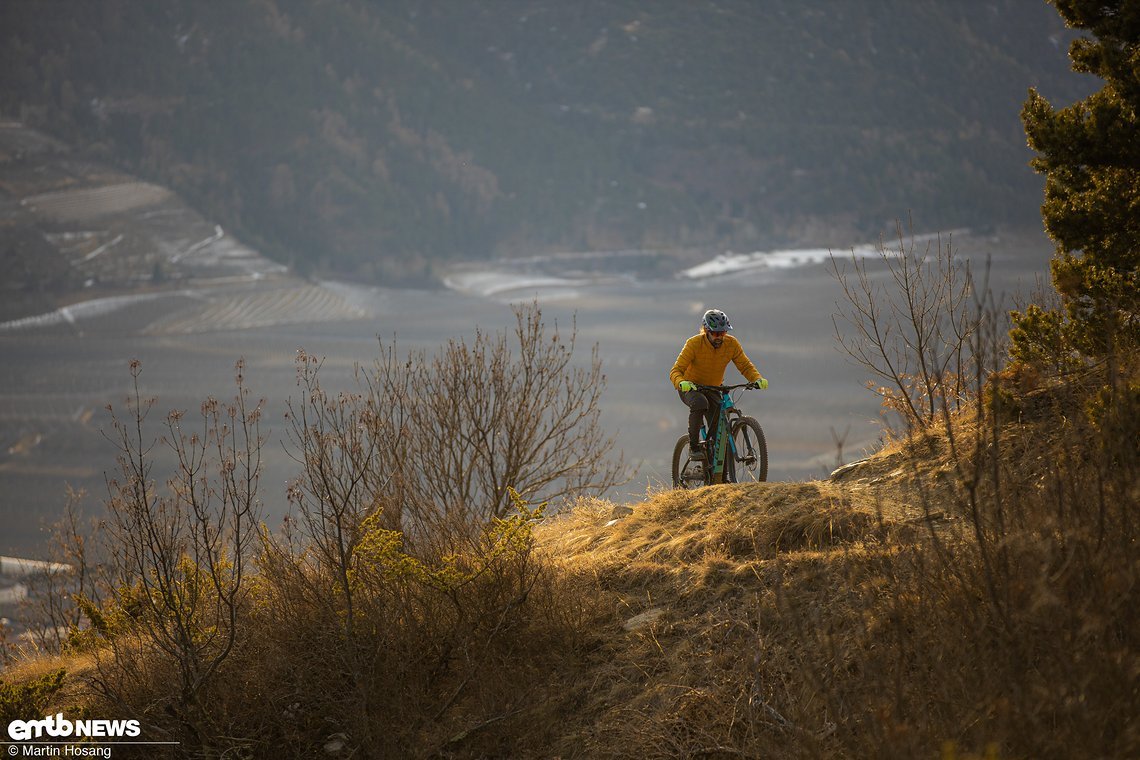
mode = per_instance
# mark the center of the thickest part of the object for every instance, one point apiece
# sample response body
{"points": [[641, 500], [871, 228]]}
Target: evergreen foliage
{"points": [[1089, 153]]}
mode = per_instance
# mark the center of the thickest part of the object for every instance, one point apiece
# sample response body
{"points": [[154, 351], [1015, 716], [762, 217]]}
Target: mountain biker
{"points": [[702, 361]]}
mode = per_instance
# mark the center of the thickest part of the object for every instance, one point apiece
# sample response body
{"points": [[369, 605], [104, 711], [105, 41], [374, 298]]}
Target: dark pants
{"points": [[702, 404]]}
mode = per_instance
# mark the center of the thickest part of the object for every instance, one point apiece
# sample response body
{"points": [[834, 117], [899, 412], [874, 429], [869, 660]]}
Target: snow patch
{"points": [[792, 258], [491, 284], [18, 567]]}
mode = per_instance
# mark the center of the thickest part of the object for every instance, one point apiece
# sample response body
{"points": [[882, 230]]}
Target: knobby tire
{"points": [[680, 462], [751, 451]]}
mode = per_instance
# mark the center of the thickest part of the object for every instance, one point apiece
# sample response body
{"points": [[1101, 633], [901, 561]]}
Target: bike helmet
{"points": [[716, 320]]}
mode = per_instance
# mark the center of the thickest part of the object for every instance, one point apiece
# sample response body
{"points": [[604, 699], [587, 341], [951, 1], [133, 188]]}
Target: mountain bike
{"points": [[736, 452]]}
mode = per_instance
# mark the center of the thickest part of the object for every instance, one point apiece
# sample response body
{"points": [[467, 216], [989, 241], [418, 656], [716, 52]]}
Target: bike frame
{"points": [[723, 442]]}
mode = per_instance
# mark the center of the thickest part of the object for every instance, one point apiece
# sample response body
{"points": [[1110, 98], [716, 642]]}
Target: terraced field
{"points": [[294, 304], [89, 204], [80, 231]]}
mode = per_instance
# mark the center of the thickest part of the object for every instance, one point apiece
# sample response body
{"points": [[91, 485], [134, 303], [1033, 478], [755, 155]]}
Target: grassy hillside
{"points": [[901, 609], [377, 139], [958, 595]]}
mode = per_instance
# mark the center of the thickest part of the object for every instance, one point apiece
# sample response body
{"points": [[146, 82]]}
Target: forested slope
{"points": [[379, 138]]}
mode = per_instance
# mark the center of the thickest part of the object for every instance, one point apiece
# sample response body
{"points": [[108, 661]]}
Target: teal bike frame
{"points": [[735, 451]]}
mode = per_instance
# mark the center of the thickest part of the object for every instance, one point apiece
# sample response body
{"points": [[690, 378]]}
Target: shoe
{"points": [[694, 473], [697, 452]]}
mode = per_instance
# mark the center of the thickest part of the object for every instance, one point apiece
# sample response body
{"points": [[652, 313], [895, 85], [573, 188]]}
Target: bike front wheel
{"points": [[687, 472], [750, 451]]}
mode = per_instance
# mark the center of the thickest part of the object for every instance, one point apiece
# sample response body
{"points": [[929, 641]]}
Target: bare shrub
{"points": [[408, 560], [1002, 628], [341, 482], [75, 576], [439, 655], [391, 616], [178, 556], [911, 332], [452, 433], [433, 447], [472, 421]]}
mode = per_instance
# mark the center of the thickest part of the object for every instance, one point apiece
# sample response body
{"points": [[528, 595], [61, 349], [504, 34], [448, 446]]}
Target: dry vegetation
{"points": [[971, 590], [870, 616], [875, 614]]}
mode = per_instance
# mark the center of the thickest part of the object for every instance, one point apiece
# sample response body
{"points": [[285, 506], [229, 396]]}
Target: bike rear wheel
{"points": [[751, 451], [687, 472]]}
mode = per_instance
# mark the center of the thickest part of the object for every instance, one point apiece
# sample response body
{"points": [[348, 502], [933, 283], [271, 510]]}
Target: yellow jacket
{"points": [[700, 363]]}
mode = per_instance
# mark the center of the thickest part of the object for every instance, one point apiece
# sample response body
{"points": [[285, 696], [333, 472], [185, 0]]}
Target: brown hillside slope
{"points": [[705, 655], [892, 611], [851, 618]]}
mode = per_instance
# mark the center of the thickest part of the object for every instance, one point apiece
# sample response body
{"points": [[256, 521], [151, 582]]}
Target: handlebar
{"points": [[722, 388]]}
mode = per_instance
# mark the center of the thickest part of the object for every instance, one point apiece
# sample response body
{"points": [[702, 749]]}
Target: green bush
{"points": [[29, 700]]}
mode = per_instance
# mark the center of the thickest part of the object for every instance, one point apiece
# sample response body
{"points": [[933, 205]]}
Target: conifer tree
{"points": [[1089, 153]]}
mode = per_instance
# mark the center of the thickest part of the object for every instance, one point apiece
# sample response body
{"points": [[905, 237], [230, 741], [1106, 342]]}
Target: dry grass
{"points": [[887, 613], [32, 667], [697, 660], [884, 614]]}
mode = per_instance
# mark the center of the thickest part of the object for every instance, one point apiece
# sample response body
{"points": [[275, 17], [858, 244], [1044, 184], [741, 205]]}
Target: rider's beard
{"points": [[716, 342]]}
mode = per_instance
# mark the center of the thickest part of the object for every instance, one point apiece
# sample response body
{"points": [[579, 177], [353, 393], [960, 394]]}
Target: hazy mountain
{"points": [[377, 138]]}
